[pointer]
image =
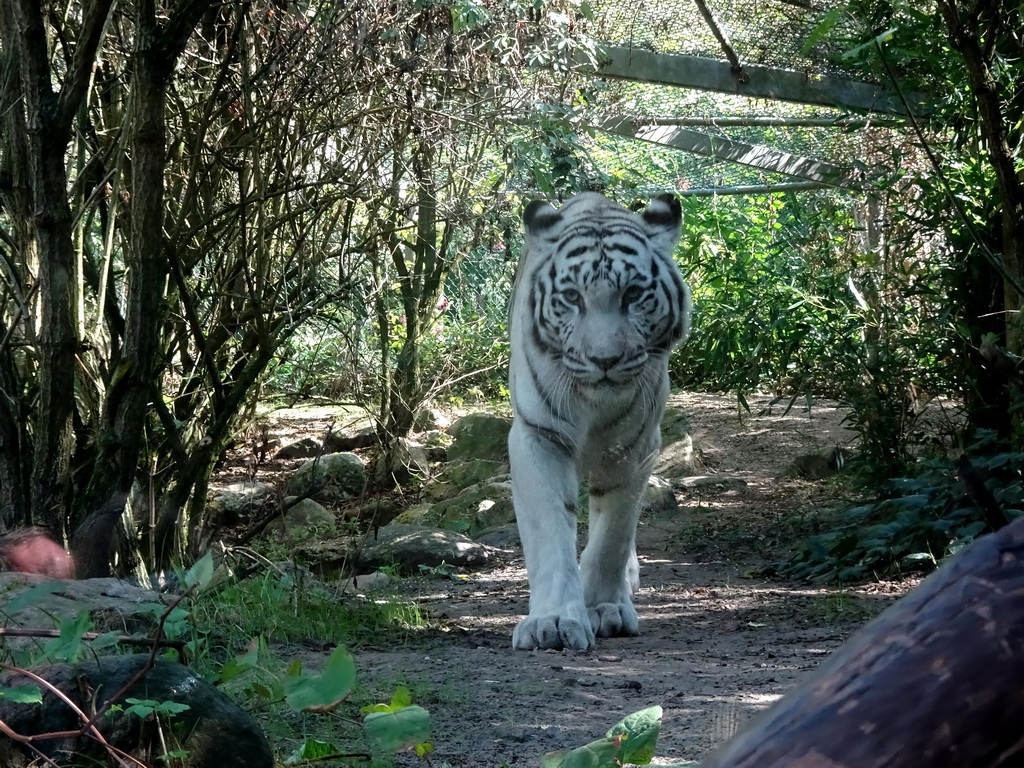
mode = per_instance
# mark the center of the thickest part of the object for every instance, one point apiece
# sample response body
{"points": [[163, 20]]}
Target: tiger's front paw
{"points": [[553, 630], [614, 620]]}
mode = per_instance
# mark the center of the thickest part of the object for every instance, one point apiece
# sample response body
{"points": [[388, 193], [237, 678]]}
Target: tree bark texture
{"points": [[936, 681], [44, 128], [136, 384]]}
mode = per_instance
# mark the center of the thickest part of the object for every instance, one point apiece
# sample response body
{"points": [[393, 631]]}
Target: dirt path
{"points": [[716, 646]]}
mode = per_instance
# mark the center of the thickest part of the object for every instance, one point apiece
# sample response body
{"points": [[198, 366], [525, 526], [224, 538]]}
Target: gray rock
{"points": [[379, 511], [476, 508], [351, 439], [480, 436], [113, 605], [675, 425], [367, 582], [213, 731], [228, 504], [456, 476], [676, 459], [407, 460], [304, 520], [328, 559], [659, 496], [411, 546], [428, 419], [332, 477], [500, 536], [713, 481], [306, 448], [417, 514]]}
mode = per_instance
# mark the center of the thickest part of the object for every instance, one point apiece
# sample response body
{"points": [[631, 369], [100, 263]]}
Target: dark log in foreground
{"points": [[936, 680], [212, 731]]}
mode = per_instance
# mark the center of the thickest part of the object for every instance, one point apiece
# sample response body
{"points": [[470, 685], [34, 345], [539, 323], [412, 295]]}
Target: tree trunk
{"points": [[976, 37], [42, 130], [936, 681], [419, 288], [136, 383]]}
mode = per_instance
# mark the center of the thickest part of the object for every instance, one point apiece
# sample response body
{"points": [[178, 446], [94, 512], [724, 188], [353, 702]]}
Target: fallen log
{"points": [[936, 680]]}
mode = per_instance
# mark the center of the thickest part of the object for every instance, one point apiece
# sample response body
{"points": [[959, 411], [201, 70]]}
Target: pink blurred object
{"points": [[32, 551]]}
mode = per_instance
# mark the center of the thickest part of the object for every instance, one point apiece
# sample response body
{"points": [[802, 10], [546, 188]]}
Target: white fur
{"points": [[582, 436]]}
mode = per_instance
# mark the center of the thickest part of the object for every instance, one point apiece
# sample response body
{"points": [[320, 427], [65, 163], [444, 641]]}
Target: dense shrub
{"points": [[918, 520]]}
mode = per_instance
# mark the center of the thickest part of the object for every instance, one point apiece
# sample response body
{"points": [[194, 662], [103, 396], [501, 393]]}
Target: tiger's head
{"points": [[606, 296]]}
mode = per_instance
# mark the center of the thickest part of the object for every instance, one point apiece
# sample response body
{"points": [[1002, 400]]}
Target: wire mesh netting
{"points": [[768, 32], [772, 33]]}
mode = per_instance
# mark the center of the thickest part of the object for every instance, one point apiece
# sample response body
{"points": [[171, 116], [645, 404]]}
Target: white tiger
{"points": [[598, 304]]}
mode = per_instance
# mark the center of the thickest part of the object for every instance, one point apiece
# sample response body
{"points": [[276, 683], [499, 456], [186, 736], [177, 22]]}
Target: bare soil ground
{"points": [[718, 643]]}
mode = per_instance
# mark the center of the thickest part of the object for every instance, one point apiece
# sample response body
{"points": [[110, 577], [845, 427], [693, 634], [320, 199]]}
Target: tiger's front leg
{"points": [[608, 566], [545, 487]]}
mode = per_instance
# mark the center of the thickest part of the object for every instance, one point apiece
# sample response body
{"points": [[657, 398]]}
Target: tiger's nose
{"points": [[605, 363]]}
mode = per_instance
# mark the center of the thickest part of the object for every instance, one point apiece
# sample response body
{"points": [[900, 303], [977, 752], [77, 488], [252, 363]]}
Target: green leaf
{"points": [[201, 572], [311, 749], [31, 596], [877, 40], [239, 665], [323, 692], [177, 754], [22, 694], [640, 732], [402, 697], [68, 646], [146, 707], [398, 731], [828, 21], [104, 641], [597, 754]]}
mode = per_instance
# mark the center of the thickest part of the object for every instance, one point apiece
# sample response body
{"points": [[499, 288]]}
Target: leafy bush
{"points": [[920, 520], [769, 275]]}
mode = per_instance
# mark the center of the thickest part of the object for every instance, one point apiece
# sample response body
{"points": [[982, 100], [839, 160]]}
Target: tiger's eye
{"points": [[572, 296], [631, 294]]}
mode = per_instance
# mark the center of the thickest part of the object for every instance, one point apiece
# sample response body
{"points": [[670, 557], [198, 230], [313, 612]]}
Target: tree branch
{"points": [[76, 84]]}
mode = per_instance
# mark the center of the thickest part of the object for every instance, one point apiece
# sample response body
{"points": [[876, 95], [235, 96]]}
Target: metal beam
{"points": [[754, 81], [751, 189], [763, 158], [731, 121]]}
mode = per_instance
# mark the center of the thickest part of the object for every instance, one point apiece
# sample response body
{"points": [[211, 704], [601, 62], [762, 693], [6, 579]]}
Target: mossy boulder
{"points": [[476, 508], [303, 520], [659, 496], [480, 436], [209, 729], [456, 476], [333, 477], [418, 514]]}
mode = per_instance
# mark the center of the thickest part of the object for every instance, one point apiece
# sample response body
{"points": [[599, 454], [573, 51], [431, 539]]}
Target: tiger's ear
{"points": [[538, 216], [664, 218]]}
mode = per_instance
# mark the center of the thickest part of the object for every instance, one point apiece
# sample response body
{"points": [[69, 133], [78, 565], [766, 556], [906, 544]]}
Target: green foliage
{"points": [[399, 730], [325, 691], [769, 275], [629, 742], [22, 694], [920, 520], [146, 707], [275, 606], [399, 726]]}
